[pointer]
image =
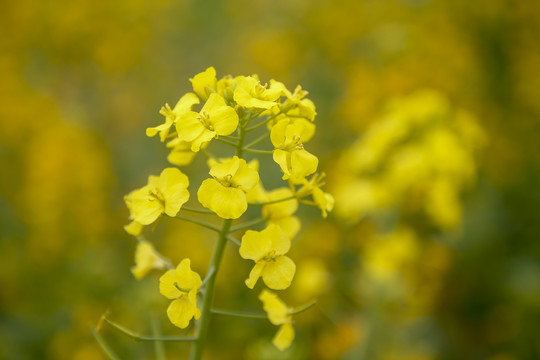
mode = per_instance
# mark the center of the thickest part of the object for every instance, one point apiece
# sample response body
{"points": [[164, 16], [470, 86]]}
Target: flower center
{"points": [[271, 256], [260, 90], [204, 119], [226, 181]]}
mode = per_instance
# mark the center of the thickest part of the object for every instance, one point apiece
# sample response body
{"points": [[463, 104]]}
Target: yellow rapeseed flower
{"points": [[287, 138], [278, 314], [268, 248], [146, 259], [205, 83], [183, 105], [181, 153], [181, 285], [164, 194], [215, 118], [324, 201], [225, 194], [251, 94]]}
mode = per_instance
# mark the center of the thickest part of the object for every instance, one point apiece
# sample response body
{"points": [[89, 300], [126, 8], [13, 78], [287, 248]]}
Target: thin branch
{"points": [[243, 314], [303, 308], [248, 224], [258, 140], [103, 345], [227, 142], [256, 151], [233, 240], [229, 137], [254, 127], [200, 211], [137, 337], [273, 201], [196, 221], [159, 347]]}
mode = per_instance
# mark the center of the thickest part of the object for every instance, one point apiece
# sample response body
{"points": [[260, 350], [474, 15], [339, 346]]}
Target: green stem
{"points": [[258, 140], [226, 142], [233, 240], [303, 308], [255, 127], [243, 314], [159, 347], [248, 224], [137, 337], [202, 333], [198, 222], [103, 345], [255, 151], [200, 211]]}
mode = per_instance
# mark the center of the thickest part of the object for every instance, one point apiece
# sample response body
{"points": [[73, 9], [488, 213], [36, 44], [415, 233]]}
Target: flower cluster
{"points": [[228, 111]]}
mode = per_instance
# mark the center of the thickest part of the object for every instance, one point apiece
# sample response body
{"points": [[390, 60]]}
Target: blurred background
{"points": [[428, 128]]}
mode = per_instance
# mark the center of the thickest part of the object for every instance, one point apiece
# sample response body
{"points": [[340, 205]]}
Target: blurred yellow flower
{"points": [[322, 200], [183, 105], [181, 153], [268, 248], [215, 118], [164, 194], [225, 194], [181, 285], [278, 314], [146, 259], [282, 213]]}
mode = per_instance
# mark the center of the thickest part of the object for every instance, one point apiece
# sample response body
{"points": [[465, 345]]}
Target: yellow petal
{"points": [[173, 184], [204, 137], [181, 311], [255, 245], [254, 275], [280, 242], [303, 164], [227, 167], [188, 126], [146, 259], [143, 208], [289, 224], [185, 277], [282, 158], [276, 309], [226, 202], [167, 285], [278, 274], [284, 337], [204, 82], [245, 177], [277, 134], [133, 228], [280, 209]]}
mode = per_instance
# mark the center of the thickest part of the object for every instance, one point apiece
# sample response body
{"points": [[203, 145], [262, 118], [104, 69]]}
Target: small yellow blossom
{"points": [[295, 162], [295, 103], [181, 285], [268, 248], [215, 118], [164, 194], [324, 201], [282, 213], [278, 314], [183, 105], [251, 94], [181, 153], [205, 83], [146, 259], [225, 194]]}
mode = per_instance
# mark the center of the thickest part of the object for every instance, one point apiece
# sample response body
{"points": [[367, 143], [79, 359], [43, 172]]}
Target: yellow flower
{"points": [[183, 105], [181, 153], [164, 194], [282, 213], [225, 194], [146, 259], [324, 201], [295, 162], [134, 228], [204, 83], [251, 94], [295, 103], [181, 285], [216, 118], [278, 314], [268, 248]]}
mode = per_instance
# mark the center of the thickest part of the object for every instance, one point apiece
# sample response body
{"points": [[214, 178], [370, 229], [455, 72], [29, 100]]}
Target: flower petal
{"points": [[181, 311], [226, 202], [278, 274], [284, 337], [254, 275]]}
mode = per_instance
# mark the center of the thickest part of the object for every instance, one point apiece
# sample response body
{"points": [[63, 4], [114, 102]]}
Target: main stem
{"points": [[202, 331]]}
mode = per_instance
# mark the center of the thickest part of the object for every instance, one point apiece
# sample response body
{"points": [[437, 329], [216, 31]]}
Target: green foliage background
{"points": [[81, 80]]}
